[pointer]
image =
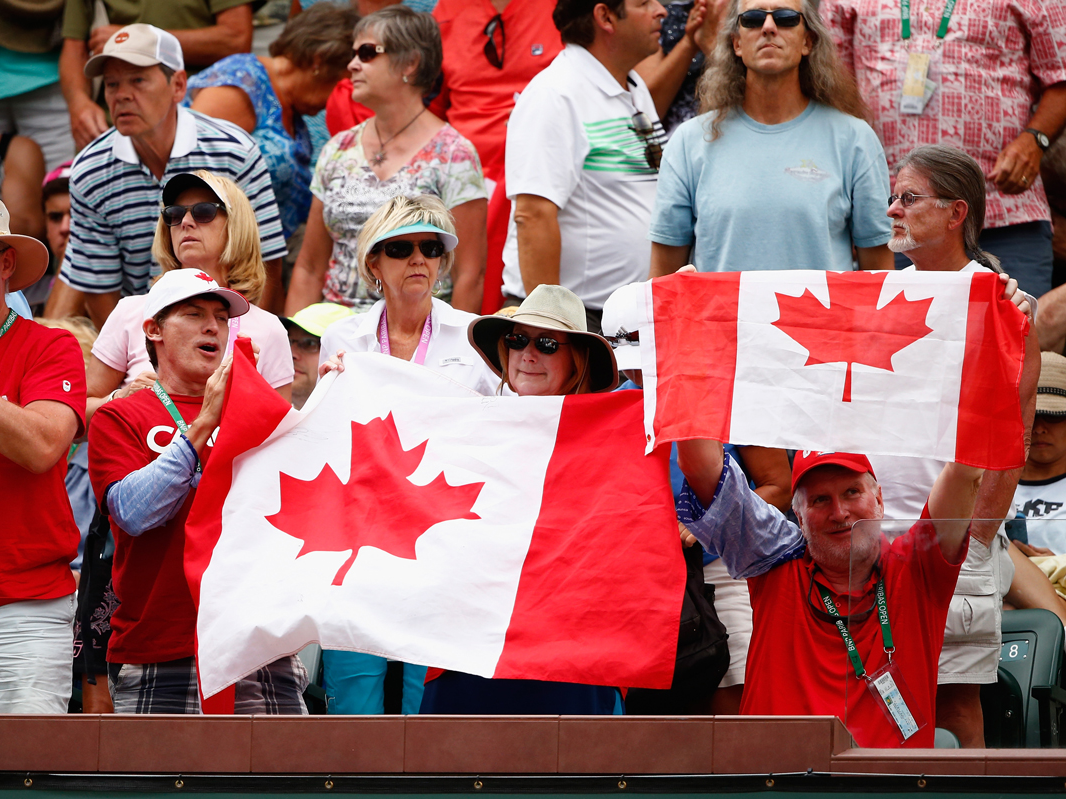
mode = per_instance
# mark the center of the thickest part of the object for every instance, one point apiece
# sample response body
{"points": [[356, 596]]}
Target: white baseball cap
{"points": [[141, 45], [179, 285], [620, 322]]}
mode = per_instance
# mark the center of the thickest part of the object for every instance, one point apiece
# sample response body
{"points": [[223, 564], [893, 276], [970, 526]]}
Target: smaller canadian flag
{"points": [[925, 364]]}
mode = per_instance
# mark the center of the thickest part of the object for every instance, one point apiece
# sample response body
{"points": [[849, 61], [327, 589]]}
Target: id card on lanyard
{"points": [[886, 685], [917, 87]]}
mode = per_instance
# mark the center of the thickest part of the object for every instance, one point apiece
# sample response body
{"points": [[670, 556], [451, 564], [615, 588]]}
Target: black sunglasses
{"points": [[402, 248], [545, 344], [368, 52], [202, 213], [493, 53], [783, 18], [652, 136]]}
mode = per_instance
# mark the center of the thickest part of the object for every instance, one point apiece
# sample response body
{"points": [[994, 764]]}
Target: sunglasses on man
{"points": [[368, 52], [202, 213], [544, 344], [402, 248], [783, 18]]}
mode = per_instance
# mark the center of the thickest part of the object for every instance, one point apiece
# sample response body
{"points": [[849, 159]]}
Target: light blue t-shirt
{"points": [[788, 196]]}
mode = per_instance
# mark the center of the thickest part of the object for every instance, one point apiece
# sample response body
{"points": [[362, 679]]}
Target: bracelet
{"points": [[111, 396]]}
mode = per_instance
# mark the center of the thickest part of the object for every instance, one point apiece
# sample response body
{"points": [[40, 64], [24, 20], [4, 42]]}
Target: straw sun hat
{"points": [[550, 308], [1051, 389]]}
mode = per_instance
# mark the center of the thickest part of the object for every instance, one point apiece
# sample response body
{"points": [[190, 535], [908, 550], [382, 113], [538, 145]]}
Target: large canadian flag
{"points": [[925, 364], [399, 514]]}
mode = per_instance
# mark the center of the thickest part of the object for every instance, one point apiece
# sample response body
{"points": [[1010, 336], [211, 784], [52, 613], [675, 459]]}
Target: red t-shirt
{"points": [[38, 538], [798, 665], [156, 619]]}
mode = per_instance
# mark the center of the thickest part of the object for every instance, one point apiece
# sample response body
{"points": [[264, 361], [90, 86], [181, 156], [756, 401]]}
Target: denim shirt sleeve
{"points": [[750, 536], [150, 496]]}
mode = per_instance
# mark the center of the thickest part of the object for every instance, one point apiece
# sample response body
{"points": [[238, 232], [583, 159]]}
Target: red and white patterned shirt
{"points": [[989, 71]]}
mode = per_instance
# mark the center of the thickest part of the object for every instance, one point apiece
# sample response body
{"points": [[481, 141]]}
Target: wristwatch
{"points": [[1041, 138]]}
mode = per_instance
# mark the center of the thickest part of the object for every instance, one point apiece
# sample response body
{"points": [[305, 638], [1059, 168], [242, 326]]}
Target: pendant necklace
{"points": [[379, 157]]}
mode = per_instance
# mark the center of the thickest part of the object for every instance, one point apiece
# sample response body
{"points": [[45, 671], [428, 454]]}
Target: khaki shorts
{"points": [[973, 633], [733, 605]]}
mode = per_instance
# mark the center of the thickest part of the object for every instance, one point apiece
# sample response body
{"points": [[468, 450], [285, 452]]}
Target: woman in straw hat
{"points": [[206, 223], [543, 349]]}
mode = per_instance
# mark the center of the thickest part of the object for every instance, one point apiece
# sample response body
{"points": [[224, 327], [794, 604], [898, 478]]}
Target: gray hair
{"points": [[954, 175], [822, 76], [409, 37]]}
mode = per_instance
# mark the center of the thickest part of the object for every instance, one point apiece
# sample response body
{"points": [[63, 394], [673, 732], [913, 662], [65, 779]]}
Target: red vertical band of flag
{"points": [[566, 614], [251, 411], [995, 356], [695, 354]]}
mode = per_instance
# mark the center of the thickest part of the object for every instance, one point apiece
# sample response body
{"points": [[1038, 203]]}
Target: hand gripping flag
{"points": [[925, 364], [401, 515]]}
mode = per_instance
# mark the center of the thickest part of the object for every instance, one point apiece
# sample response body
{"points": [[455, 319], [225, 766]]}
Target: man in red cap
{"points": [[845, 623]]}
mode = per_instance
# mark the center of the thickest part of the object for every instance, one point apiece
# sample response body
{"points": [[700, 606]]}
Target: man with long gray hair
{"points": [[781, 136], [937, 216]]}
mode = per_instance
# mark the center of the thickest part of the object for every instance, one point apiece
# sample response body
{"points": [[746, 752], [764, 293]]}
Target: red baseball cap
{"points": [[806, 460]]}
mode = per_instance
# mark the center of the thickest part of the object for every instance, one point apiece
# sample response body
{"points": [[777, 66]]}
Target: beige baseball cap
{"points": [[141, 45], [31, 255]]}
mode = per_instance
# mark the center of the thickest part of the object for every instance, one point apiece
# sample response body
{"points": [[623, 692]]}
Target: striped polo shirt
{"points": [[115, 201]]}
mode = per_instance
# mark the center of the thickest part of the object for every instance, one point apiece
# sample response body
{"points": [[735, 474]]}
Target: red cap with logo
{"points": [[806, 460]]}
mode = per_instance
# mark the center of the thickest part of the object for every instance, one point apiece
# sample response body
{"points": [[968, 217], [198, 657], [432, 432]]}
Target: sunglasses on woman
{"points": [[402, 248], [544, 344], [368, 52], [202, 213], [783, 18]]}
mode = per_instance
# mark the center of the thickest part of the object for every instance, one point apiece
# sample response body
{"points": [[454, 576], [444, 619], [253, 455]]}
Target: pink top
{"points": [[121, 342]]}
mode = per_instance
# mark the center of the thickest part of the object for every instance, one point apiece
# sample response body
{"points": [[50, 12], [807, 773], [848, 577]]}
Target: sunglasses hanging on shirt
{"points": [[783, 18], [494, 52], [653, 136]]}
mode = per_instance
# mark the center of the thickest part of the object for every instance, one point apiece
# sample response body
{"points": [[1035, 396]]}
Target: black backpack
{"points": [[702, 652]]}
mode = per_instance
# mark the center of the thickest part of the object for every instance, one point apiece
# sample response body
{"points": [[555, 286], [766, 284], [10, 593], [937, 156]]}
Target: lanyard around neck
{"points": [[849, 642], [905, 19], [423, 343], [11, 317], [168, 403]]}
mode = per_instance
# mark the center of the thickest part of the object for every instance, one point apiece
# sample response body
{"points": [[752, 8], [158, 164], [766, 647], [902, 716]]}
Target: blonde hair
{"points": [[822, 76], [241, 259], [580, 381], [400, 212], [81, 328]]}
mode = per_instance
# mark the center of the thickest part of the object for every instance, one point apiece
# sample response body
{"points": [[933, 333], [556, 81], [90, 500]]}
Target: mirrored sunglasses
{"points": [[544, 344], [402, 248], [783, 18], [202, 213]]}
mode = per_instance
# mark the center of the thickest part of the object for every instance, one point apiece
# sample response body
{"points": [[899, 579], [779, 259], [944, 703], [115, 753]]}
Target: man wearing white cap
{"points": [[146, 454], [42, 402], [116, 182]]}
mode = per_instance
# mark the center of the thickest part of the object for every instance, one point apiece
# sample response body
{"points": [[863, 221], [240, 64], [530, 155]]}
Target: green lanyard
{"points": [[849, 642], [168, 403], [905, 19], [11, 317]]}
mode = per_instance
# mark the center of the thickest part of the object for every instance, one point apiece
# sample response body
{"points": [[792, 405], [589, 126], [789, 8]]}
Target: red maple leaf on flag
{"points": [[853, 329], [377, 507]]}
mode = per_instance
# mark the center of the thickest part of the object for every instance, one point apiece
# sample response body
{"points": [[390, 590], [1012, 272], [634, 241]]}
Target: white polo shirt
{"points": [[449, 351], [570, 140]]}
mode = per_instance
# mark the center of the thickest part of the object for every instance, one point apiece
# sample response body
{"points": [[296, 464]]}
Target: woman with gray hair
{"points": [[780, 170], [402, 150]]}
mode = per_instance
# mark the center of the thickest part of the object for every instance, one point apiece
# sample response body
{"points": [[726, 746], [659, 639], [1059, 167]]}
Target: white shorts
{"points": [[36, 655], [732, 602], [973, 633]]}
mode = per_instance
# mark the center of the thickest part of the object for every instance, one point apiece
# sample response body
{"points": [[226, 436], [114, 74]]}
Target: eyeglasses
{"points": [[55, 217], [783, 18], [652, 137], [402, 248], [493, 53], [544, 344], [368, 52], [310, 344], [907, 198], [202, 213]]}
